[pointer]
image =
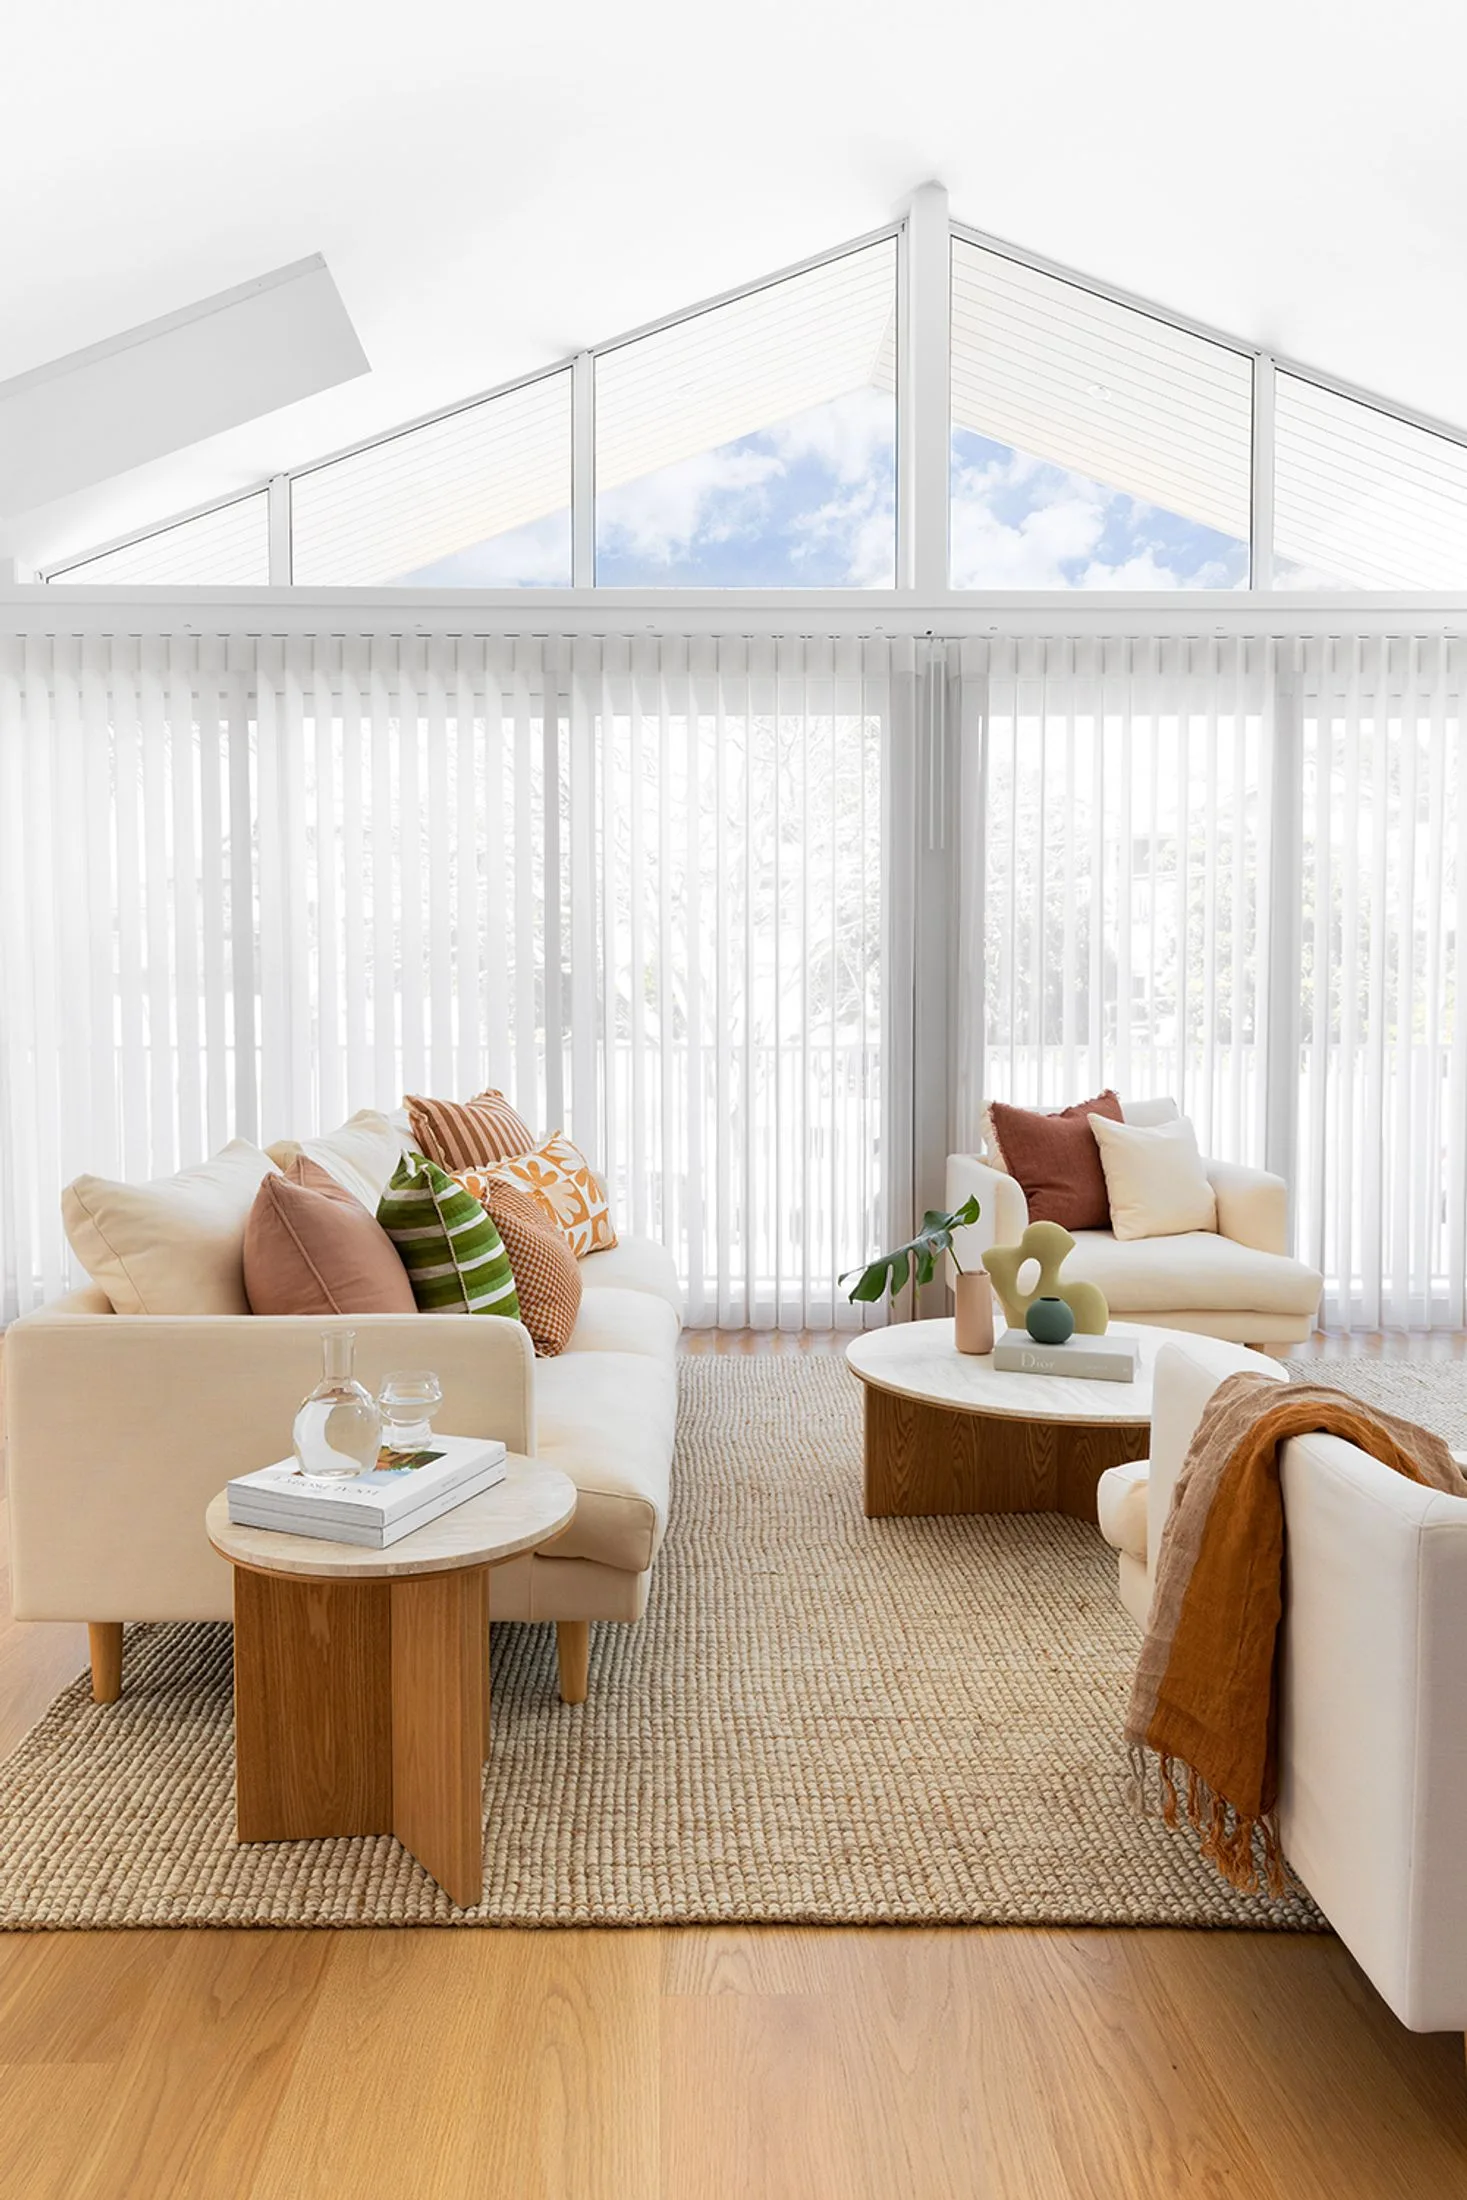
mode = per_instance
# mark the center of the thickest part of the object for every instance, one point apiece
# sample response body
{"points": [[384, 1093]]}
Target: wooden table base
{"points": [[923, 1458], [363, 1707]]}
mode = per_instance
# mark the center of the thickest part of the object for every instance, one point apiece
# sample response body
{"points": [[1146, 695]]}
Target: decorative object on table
{"points": [[1092, 1359], [1048, 1244], [401, 1492], [338, 1429], [409, 1398], [1055, 1159], [917, 1258], [1050, 1321], [453, 1254], [972, 1311], [562, 1183]]}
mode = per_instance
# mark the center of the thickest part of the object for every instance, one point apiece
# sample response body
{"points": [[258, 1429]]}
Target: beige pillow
{"points": [[175, 1246], [360, 1156], [1154, 1179]]}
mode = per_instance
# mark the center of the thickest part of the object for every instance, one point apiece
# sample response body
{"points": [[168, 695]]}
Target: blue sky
{"points": [[810, 503]]}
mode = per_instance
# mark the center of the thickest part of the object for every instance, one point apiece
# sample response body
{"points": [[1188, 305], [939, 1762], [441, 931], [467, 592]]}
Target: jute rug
{"points": [[821, 1718]]}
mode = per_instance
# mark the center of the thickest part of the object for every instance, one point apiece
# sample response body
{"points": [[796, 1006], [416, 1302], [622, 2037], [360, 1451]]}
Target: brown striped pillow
{"points": [[547, 1279], [459, 1134]]}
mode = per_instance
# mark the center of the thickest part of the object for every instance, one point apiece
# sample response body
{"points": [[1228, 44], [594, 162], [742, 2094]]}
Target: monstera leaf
{"points": [[918, 1257]]}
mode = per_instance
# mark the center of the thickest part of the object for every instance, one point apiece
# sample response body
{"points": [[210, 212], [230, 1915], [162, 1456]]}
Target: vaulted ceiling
{"points": [[493, 188]]}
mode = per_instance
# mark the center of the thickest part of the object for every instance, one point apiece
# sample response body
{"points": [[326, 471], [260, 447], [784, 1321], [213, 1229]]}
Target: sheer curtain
{"points": [[249, 884]]}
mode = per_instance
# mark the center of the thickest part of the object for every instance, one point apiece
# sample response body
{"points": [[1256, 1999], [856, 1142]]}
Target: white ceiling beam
{"points": [[173, 382]]}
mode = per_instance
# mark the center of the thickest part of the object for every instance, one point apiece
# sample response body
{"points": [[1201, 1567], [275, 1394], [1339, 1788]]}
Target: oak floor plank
{"points": [[74, 1998]]}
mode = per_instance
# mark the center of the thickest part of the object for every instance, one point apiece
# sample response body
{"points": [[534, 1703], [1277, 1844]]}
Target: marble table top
{"points": [[920, 1360], [531, 1505]]}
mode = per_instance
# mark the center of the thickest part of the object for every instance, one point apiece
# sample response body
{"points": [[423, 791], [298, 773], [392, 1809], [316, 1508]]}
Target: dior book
{"points": [[1106, 1359], [404, 1491]]}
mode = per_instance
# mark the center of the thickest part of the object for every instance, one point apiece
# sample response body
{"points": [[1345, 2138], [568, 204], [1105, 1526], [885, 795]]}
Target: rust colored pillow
{"points": [[1057, 1162], [462, 1134], [547, 1279], [311, 1247]]}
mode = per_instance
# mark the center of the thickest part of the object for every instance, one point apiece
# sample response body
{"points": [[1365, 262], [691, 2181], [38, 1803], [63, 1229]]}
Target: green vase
{"points": [[1049, 1321]]}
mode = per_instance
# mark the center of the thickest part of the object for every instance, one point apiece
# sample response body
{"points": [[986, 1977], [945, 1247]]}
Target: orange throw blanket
{"points": [[1205, 1702]]}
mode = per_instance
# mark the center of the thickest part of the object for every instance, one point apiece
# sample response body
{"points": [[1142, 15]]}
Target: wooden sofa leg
{"points": [[104, 1637], [573, 1651]]}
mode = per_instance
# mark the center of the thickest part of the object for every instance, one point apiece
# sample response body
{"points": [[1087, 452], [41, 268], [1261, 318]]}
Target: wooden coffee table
{"points": [[361, 1678], [947, 1432]]}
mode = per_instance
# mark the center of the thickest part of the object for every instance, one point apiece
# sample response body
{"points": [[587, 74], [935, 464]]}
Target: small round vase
{"points": [[1049, 1321]]}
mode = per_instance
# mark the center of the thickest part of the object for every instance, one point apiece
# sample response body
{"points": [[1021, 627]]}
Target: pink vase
{"points": [[973, 1323]]}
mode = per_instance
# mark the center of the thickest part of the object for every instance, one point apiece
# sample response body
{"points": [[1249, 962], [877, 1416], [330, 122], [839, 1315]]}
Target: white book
{"points": [[399, 1495], [1104, 1359]]}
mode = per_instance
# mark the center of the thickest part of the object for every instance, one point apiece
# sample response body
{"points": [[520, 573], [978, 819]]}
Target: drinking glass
{"points": [[409, 1398]]}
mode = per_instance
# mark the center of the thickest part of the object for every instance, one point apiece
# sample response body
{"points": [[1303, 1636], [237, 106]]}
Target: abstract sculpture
{"points": [[1048, 1243]]}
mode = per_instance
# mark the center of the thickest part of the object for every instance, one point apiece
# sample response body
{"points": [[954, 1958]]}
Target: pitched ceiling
{"points": [[493, 189]]}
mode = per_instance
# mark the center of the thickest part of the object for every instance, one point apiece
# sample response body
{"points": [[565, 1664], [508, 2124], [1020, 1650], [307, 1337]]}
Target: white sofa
{"points": [[1238, 1281], [120, 1428], [1373, 1737]]}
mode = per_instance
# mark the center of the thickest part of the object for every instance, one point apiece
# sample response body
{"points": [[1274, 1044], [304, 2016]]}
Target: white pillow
{"points": [[1154, 1178], [360, 1156], [175, 1246]]}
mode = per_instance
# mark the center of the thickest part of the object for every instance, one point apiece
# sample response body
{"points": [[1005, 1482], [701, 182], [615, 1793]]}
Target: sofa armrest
{"points": [[1252, 1206], [1005, 1211], [121, 1428], [1185, 1378]]}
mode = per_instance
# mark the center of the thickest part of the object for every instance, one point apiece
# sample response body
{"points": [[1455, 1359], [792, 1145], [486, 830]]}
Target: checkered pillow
{"points": [[546, 1278]]}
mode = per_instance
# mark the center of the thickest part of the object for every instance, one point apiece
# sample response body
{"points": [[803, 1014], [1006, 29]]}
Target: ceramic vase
{"points": [[1050, 1321], [973, 1313]]}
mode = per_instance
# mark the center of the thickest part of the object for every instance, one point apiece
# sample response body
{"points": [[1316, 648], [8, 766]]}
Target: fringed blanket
{"points": [[1204, 1709]]}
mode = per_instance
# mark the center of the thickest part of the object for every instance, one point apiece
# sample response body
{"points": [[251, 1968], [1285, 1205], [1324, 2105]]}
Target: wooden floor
{"points": [[667, 2065]]}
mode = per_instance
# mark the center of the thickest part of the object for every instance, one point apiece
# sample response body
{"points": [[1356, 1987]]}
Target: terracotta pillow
{"points": [[460, 1134], [1057, 1162], [546, 1276], [310, 1247]]}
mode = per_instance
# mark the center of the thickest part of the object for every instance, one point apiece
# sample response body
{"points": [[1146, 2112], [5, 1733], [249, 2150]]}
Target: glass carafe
{"points": [[338, 1428]]}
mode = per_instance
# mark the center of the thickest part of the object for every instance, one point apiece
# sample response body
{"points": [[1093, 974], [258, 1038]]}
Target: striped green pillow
{"points": [[453, 1254]]}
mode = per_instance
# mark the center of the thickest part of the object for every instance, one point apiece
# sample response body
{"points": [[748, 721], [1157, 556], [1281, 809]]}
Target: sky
{"points": [[811, 503]]}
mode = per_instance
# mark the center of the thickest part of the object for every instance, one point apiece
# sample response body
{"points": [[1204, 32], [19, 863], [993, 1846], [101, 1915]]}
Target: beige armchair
{"points": [[1238, 1281]]}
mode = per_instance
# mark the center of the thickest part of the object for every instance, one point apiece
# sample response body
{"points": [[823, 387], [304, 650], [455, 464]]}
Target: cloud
{"points": [[1020, 523], [708, 499]]}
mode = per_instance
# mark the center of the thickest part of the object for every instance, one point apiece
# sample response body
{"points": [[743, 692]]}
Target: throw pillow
{"points": [[560, 1180], [1132, 1111], [1055, 1159], [361, 1155], [463, 1134], [453, 1254], [546, 1279], [1155, 1179], [175, 1246], [311, 1247]]}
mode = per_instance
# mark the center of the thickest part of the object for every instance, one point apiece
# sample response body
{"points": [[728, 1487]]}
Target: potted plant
{"points": [[917, 1259]]}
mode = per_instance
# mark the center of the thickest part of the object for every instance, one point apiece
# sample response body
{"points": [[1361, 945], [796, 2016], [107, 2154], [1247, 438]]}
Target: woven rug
{"points": [[821, 1718]]}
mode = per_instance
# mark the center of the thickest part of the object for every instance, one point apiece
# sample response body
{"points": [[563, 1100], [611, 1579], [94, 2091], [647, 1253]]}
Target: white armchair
{"points": [[1237, 1281], [1373, 1735]]}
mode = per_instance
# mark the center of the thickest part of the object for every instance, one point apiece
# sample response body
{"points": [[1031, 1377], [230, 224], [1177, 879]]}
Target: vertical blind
{"points": [[250, 884]]}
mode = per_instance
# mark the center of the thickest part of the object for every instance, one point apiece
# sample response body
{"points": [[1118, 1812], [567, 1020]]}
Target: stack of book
{"points": [[1107, 1359], [404, 1491]]}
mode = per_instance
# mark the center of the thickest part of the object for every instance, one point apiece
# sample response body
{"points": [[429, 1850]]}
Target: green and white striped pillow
{"points": [[453, 1254]]}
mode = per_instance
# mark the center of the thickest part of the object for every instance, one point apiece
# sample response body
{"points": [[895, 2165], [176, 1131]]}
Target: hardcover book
{"points": [[1105, 1359], [404, 1491]]}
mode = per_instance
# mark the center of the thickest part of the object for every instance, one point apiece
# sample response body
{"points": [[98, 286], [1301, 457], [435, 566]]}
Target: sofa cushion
{"points": [[176, 1245], [547, 1275], [635, 1264], [1056, 1160], [313, 1248], [460, 1134], [1120, 1502], [453, 1254], [613, 1320], [1155, 1180], [607, 1420], [1196, 1272], [564, 1186], [360, 1156]]}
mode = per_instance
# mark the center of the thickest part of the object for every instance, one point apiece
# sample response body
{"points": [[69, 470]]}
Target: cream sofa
{"points": [[121, 1427], [1373, 1735], [1237, 1281]]}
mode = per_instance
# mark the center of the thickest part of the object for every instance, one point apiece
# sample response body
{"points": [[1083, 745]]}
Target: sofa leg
{"points": [[573, 1651], [104, 1638]]}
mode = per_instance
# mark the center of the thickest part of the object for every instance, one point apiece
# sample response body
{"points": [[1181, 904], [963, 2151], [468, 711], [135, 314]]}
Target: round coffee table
{"points": [[361, 1677], [948, 1432]]}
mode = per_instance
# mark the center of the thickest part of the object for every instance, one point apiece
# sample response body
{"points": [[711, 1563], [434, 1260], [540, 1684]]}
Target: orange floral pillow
{"points": [[562, 1184]]}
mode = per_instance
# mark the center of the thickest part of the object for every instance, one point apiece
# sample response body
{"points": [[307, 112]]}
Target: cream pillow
{"points": [[175, 1246], [360, 1157], [1154, 1178]]}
